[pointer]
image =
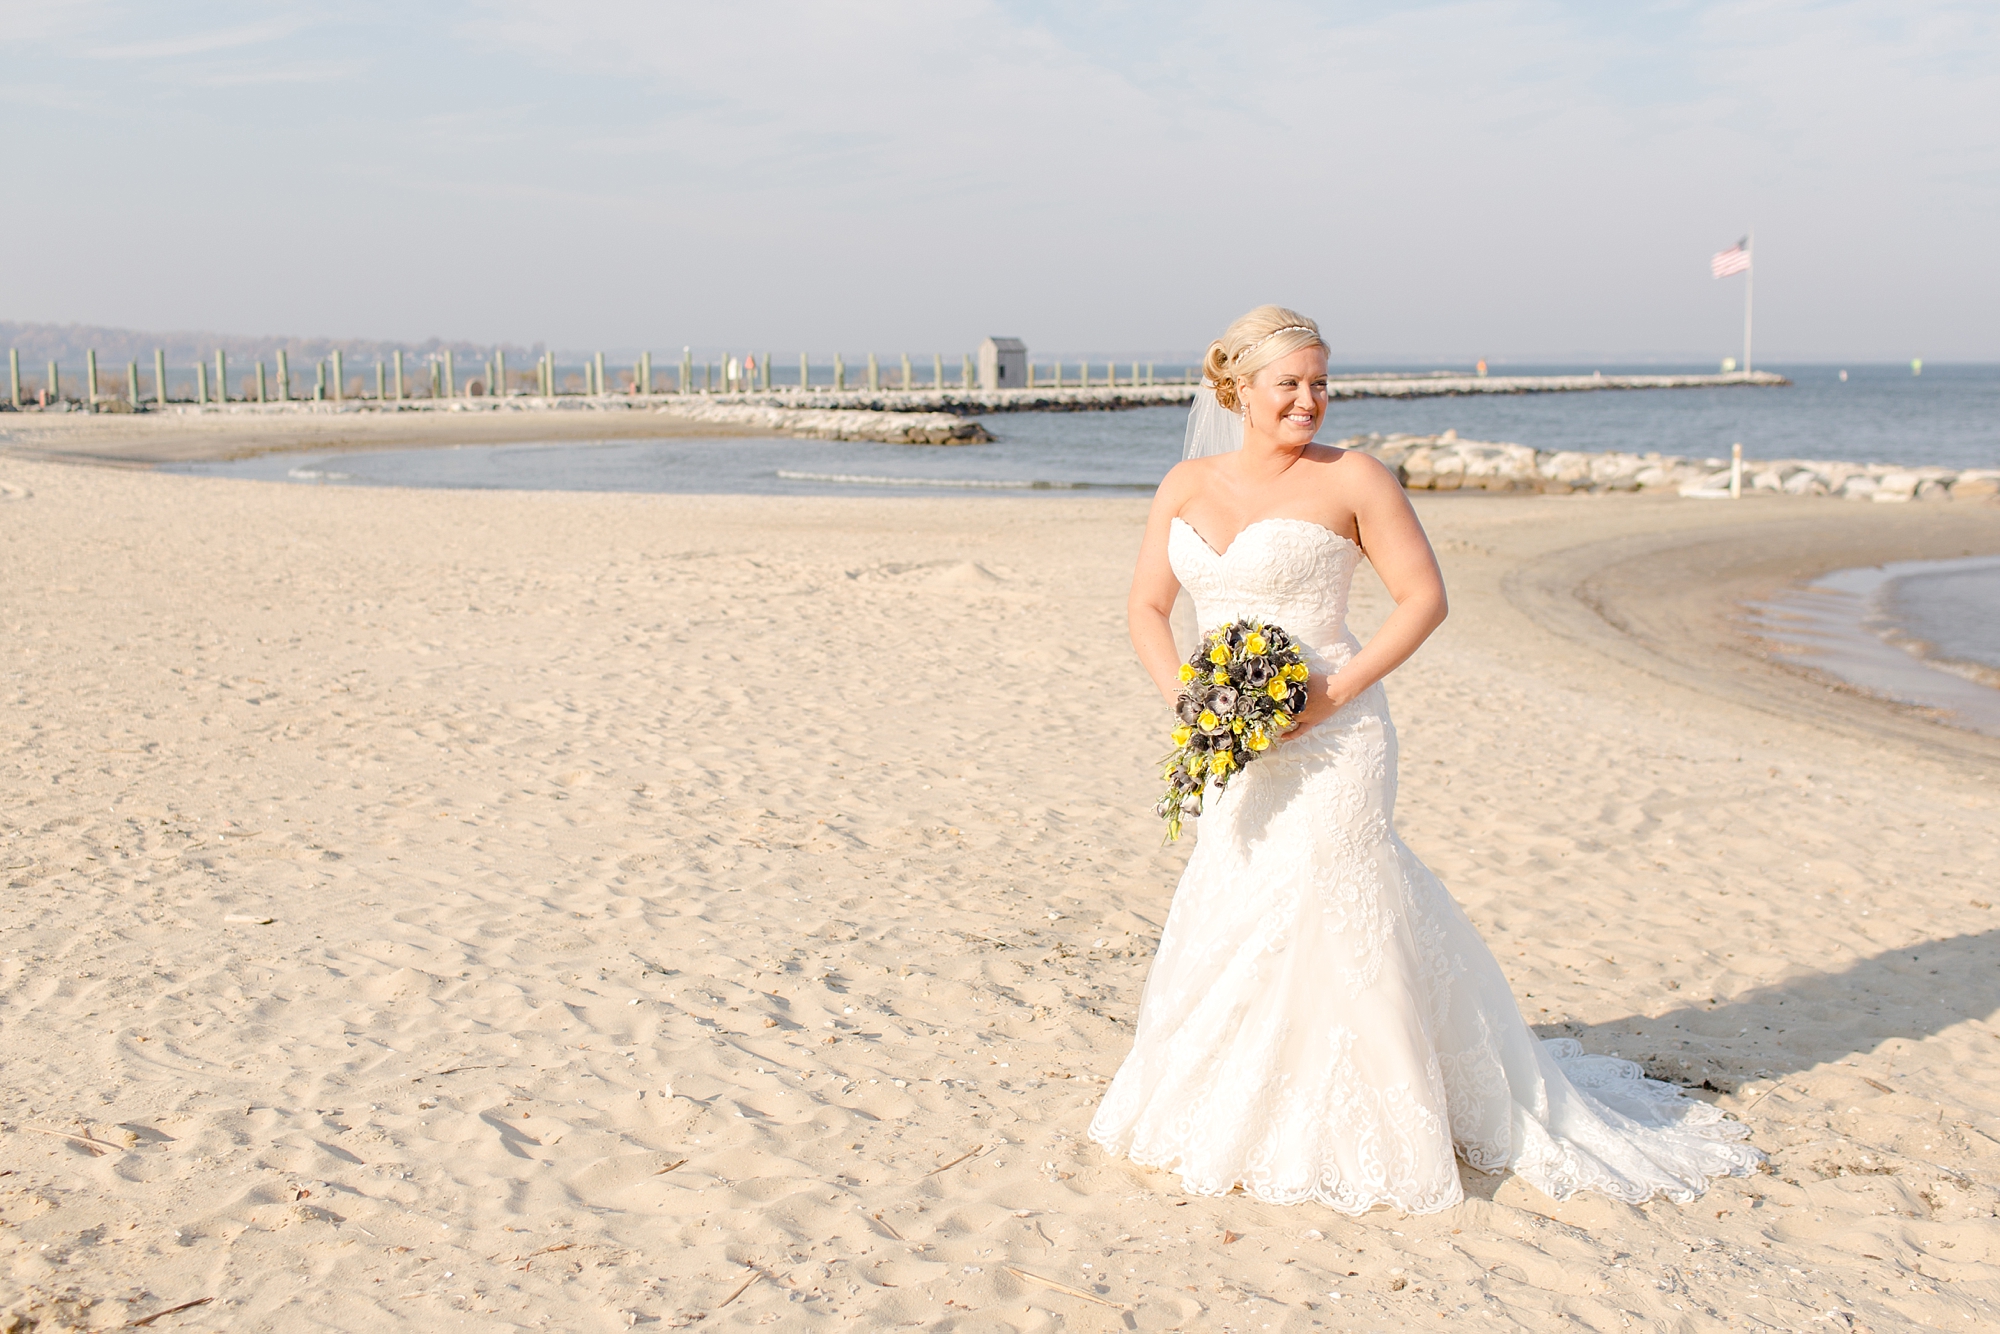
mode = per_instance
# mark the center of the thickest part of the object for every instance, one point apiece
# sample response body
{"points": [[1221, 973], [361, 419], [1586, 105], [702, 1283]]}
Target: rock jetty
{"points": [[897, 428], [1103, 398], [1447, 463]]}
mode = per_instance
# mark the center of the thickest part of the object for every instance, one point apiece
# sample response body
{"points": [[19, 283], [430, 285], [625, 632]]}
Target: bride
{"points": [[1321, 1021]]}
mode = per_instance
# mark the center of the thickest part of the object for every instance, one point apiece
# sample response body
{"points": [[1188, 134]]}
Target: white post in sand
{"points": [[339, 377], [200, 381], [221, 377], [499, 385], [906, 372], [160, 375], [132, 384], [381, 380], [764, 372], [597, 369], [14, 376], [1149, 375], [397, 359], [90, 378], [839, 373], [450, 376], [1736, 472], [687, 370], [263, 390], [874, 374], [284, 377], [805, 373], [937, 372]]}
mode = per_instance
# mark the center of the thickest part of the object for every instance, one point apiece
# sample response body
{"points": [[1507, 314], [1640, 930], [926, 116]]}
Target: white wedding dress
{"points": [[1321, 1021]]}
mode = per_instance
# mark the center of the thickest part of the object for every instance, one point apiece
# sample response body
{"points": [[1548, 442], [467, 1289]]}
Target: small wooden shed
{"points": [[1003, 364]]}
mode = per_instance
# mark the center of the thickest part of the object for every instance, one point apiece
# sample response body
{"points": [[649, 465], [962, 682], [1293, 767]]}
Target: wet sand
{"points": [[494, 910]]}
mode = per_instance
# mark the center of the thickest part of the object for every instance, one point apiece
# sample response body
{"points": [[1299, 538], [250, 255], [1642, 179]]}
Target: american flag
{"points": [[1736, 259]]}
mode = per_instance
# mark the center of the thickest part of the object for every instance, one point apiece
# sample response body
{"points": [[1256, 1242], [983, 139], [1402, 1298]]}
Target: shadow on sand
{"points": [[1808, 1020]]}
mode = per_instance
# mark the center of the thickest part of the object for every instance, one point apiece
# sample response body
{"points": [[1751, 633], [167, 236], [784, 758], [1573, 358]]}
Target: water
{"points": [[1925, 633], [1950, 415]]}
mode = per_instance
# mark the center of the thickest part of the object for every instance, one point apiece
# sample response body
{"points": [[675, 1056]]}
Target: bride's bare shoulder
{"points": [[1184, 479], [1349, 464]]}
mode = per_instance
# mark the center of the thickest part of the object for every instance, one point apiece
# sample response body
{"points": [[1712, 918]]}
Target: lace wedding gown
{"points": [[1322, 1022]]}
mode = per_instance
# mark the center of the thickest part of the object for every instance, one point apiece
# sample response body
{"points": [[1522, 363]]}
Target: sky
{"points": [[1432, 182]]}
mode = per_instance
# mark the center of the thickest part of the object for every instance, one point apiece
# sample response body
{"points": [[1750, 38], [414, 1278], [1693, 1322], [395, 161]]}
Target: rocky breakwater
{"points": [[1447, 463], [895, 428]]}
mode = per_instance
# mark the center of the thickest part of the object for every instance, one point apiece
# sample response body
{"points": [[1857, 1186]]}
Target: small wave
{"points": [[319, 475], [959, 483]]}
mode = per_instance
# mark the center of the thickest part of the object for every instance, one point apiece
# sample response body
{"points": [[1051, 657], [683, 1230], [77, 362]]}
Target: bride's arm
{"points": [[1396, 546], [1150, 605]]}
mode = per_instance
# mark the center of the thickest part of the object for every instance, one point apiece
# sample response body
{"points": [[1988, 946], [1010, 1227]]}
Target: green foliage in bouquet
{"points": [[1239, 692]]}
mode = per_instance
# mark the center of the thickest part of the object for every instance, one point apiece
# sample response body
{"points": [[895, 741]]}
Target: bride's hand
{"points": [[1324, 698]]}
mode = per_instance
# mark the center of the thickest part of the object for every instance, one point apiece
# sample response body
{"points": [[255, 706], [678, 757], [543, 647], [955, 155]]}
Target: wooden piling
{"points": [[339, 378], [90, 378], [906, 373], [499, 385], [14, 376], [1149, 375], [450, 376], [805, 373], [764, 372], [597, 370], [687, 371], [381, 380], [319, 382], [937, 371], [263, 391], [1031, 372], [132, 384], [221, 377], [284, 377], [396, 360], [874, 375], [1058, 374], [839, 373], [200, 382], [160, 375]]}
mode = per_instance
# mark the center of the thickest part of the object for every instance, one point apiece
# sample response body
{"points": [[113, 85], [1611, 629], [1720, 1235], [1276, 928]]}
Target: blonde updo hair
{"points": [[1252, 342]]}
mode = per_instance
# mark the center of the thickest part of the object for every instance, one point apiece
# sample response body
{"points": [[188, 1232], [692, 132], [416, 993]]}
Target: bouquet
{"points": [[1240, 690]]}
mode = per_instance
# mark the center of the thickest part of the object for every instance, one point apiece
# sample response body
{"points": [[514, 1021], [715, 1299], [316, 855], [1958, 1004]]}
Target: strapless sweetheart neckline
{"points": [[1254, 523]]}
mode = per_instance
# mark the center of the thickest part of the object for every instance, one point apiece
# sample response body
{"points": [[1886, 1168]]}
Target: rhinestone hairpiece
{"points": [[1289, 328]]}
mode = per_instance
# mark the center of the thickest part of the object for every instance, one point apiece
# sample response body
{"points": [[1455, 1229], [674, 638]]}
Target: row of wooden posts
{"points": [[440, 378]]}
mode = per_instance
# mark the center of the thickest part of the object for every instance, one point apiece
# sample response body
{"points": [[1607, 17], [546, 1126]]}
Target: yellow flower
{"points": [[1277, 690], [1281, 720], [1255, 643], [1259, 742], [1207, 719], [1219, 655], [1187, 673], [1236, 726], [1298, 671], [1221, 761], [1219, 677], [1196, 762], [1182, 733]]}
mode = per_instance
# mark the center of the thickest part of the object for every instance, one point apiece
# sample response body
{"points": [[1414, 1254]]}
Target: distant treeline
{"points": [[67, 343]]}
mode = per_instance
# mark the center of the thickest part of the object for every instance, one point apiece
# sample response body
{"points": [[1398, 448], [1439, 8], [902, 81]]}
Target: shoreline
{"points": [[422, 882]]}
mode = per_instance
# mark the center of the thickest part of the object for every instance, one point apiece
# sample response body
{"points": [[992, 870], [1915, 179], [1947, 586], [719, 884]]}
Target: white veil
{"points": [[1211, 428]]}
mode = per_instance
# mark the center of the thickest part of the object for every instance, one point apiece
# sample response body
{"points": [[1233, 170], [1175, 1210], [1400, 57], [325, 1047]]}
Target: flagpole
{"points": [[1749, 281]]}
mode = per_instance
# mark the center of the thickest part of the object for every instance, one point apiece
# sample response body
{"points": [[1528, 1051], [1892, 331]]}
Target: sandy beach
{"points": [[459, 910]]}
